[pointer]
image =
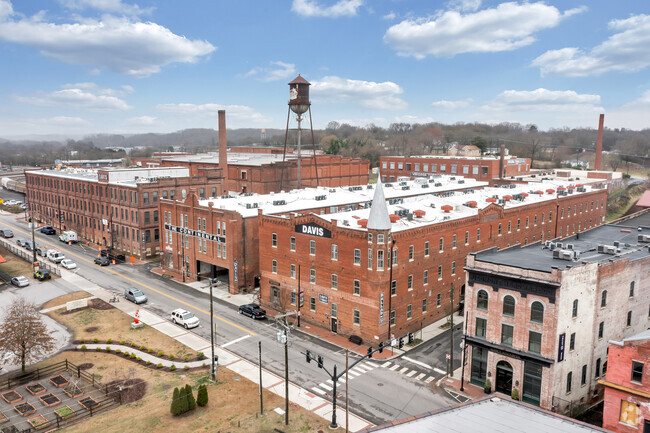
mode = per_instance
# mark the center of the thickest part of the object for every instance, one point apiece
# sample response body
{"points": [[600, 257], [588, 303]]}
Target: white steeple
{"points": [[378, 218]]}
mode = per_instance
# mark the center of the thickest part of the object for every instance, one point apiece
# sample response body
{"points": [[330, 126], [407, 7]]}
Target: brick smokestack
{"points": [[598, 164], [223, 148], [502, 157]]}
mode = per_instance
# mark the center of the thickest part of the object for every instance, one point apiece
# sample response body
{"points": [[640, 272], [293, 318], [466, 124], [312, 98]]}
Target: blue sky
{"points": [[75, 67]]}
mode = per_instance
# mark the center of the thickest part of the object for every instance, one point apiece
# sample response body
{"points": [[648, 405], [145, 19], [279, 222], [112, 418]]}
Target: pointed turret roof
{"points": [[378, 218]]}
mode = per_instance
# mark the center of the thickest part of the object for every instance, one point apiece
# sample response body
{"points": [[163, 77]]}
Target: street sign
{"points": [[132, 259], [393, 342], [447, 356]]}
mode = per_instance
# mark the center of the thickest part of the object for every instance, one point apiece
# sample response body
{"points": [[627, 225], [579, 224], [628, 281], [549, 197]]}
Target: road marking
{"points": [[145, 286], [429, 379], [411, 373], [403, 370], [236, 340], [386, 364], [420, 376], [439, 371], [371, 364], [324, 385], [415, 361], [318, 390], [353, 373], [394, 367], [358, 369]]}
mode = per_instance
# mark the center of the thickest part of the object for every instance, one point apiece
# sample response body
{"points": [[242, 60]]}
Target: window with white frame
{"points": [[425, 278], [335, 282], [292, 243], [356, 290], [312, 248], [274, 266], [356, 317], [312, 276], [357, 256], [274, 240], [335, 252], [293, 270]]}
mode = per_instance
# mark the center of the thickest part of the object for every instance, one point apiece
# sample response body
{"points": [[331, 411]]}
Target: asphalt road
{"points": [[379, 394]]}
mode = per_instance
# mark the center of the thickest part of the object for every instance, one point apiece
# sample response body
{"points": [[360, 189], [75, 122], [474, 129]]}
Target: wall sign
{"points": [[195, 233], [560, 348], [234, 270], [381, 308], [313, 229], [323, 298]]}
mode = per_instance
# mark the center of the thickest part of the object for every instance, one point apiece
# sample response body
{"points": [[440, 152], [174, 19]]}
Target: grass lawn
{"points": [[15, 265], [61, 300]]}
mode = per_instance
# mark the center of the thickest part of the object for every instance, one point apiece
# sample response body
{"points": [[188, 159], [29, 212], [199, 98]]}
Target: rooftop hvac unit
{"points": [[559, 245], [551, 246], [425, 185], [570, 191], [404, 188], [388, 185], [369, 187], [512, 185], [432, 180], [569, 246], [452, 178], [495, 196], [582, 189], [617, 244], [433, 205], [446, 218], [402, 183], [437, 184], [563, 254], [461, 181], [643, 238], [332, 190], [367, 204], [547, 244], [502, 201], [247, 194], [409, 216], [608, 249], [346, 222], [252, 205], [279, 202], [320, 197]]}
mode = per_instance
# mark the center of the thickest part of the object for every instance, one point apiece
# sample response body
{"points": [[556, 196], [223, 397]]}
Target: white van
{"points": [[55, 256], [68, 236]]}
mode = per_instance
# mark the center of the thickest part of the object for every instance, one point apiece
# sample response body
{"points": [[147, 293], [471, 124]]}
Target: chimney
{"points": [[502, 155], [599, 144], [223, 148]]}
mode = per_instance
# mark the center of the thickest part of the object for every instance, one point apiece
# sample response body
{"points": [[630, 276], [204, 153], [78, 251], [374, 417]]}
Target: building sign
{"points": [[102, 176], [302, 299], [313, 229], [560, 348], [195, 233], [234, 270], [524, 287], [274, 283], [381, 308], [323, 298], [517, 161], [419, 174]]}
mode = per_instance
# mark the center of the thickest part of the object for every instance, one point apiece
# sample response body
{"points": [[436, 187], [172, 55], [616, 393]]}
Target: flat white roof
{"points": [[468, 158], [309, 198], [239, 158], [117, 176]]}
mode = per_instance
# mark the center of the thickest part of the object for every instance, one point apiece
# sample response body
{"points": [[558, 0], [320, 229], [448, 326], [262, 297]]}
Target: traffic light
{"points": [[308, 356], [410, 338], [381, 347], [401, 342], [370, 352], [320, 361]]}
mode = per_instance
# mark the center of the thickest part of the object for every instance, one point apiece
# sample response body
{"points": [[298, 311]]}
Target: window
{"points": [[147, 217], [426, 249], [442, 244], [466, 237], [394, 256], [370, 237], [312, 303], [583, 377], [292, 243], [411, 253], [357, 257], [380, 260], [392, 317], [603, 299], [155, 196], [632, 289], [293, 298], [481, 327], [453, 268], [425, 278], [509, 306], [274, 240], [537, 312], [629, 319], [543, 217], [335, 252], [440, 272], [380, 238], [574, 311], [527, 222], [409, 311], [274, 266], [532, 386], [479, 365], [506, 334], [145, 198], [478, 235], [312, 248], [572, 342], [410, 282], [601, 329], [334, 310], [155, 216], [369, 258], [637, 371], [534, 342], [393, 287], [357, 288], [482, 300], [438, 299], [312, 276], [335, 281], [453, 241], [356, 317], [292, 270], [597, 370], [629, 413], [569, 378], [509, 226], [499, 230], [550, 216], [535, 220]]}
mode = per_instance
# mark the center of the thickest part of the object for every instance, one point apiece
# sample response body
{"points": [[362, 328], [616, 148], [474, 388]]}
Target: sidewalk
{"points": [[227, 359]]}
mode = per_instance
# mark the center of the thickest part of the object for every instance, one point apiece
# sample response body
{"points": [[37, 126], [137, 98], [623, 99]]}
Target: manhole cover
{"points": [[380, 384]]}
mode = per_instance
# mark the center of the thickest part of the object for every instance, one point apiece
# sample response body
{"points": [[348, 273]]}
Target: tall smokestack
{"points": [[223, 148], [599, 144], [502, 157]]}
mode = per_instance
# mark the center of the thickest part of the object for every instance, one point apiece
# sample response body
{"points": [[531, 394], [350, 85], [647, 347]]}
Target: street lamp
{"points": [[213, 372]]}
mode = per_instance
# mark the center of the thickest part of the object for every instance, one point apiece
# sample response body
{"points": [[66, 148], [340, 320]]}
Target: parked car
{"points": [[48, 230], [135, 295], [6, 233], [55, 256], [22, 242], [41, 251], [42, 274], [68, 264], [185, 318], [252, 310], [20, 281], [102, 261], [31, 246]]}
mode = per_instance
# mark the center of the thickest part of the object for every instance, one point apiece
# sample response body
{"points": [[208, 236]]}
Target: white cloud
{"points": [[383, 96], [311, 8], [506, 27], [242, 113], [80, 95], [414, 119], [141, 121], [118, 44], [277, 71], [632, 115], [452, 105], [111, 6], [464, 5], [628, 51], [390, 16], [544, 100]]}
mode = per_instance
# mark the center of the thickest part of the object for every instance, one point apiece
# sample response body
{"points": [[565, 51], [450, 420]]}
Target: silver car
{"points": [[20, 281], [135, 295]]}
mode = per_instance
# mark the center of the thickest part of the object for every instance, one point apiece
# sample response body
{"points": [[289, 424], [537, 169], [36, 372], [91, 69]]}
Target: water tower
{"points": [[299, 104]]}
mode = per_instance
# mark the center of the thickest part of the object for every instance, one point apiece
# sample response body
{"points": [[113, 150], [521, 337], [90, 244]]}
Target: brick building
{"points": [[627, 385], [390, 269], [91, 202], [235, 258], [483, 168], [539, 317]]}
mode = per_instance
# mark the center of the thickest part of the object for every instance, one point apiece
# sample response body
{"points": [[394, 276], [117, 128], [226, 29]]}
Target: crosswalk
{"points": [[429, 375]]}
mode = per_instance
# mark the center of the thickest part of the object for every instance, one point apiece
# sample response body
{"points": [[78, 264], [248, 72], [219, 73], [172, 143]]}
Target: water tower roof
{"points": [[300, 80]]}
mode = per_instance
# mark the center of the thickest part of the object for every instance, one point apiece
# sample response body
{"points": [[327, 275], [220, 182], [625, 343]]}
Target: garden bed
{"points": [[50, 400], [65, 412], [59, 381], [3, 418], [24, 409], [12, 397], [9, 429], [89, 403], [35, 389], [39, 422], [73, 391]]}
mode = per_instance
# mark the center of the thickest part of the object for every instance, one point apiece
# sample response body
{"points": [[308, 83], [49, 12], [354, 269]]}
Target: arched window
{"points": [[537, 312], [603, 300], [509, 306], [482, 300]]}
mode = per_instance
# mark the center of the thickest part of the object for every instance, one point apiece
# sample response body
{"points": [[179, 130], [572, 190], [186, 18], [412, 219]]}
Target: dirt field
{"points": [[61, 300], [15, 265]]}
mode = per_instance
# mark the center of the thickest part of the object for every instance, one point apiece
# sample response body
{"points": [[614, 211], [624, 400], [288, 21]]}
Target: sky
{"points": [[75, 67]]}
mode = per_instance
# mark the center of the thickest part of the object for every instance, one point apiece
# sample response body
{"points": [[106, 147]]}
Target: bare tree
{"points": [[23, 333]]}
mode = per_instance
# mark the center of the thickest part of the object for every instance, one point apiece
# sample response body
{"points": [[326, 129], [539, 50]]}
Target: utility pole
{"points": [[462, 366], [347, 397], [451, 335], [31, 212], [259, 352], [286, 378], [213, 374], [299, 296]]}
